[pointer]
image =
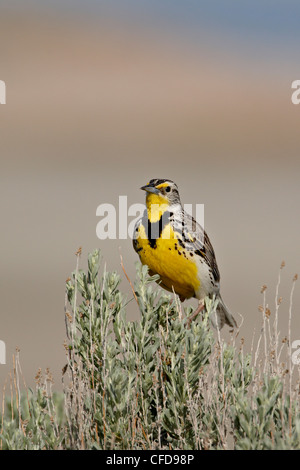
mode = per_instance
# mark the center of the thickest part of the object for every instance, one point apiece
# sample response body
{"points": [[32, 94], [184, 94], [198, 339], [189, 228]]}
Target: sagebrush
{"points": [[155, 383]]}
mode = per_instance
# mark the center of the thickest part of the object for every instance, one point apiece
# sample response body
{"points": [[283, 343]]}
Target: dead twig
{"points": [[128, 279]]}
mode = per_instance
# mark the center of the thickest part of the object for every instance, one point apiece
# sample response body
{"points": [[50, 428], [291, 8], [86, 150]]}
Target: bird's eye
{"points": [[168, 189]]}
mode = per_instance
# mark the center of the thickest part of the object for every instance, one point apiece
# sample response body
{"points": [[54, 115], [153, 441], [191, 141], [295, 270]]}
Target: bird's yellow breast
{"points": [[175, 265]]}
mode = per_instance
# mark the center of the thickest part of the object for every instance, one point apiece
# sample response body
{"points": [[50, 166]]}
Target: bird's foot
{"points": [[195, 314]]}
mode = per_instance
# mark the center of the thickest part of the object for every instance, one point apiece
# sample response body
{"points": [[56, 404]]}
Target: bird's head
{"points": [[162, 195]]}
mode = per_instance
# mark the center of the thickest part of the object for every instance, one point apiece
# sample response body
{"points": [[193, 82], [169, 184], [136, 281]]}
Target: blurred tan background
{"points": [[98, 104]]}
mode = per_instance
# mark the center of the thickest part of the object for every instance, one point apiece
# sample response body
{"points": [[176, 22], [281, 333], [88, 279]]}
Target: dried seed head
{"points": [[282, 265], [49, 376], [69, 317], [78, 252], [279, 300], [295, 277], [263, 288], [260, 308], [38, 376], [268, 312]]}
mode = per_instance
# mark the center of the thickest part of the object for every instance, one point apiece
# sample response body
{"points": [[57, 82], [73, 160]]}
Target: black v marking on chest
{"points": [[154, 229]]}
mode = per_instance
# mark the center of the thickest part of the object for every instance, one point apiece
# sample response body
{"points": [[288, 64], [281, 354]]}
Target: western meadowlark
{"points": [[177, 248]]}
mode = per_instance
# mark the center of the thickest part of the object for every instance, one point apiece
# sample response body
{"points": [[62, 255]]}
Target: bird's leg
{"points": [[196, 312]]}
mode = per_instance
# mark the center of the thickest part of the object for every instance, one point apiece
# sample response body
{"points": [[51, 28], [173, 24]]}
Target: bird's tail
{"points": [[223, 316]]}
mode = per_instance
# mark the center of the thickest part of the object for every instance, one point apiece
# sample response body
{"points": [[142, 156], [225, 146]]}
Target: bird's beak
{"points": [[150, 189]]}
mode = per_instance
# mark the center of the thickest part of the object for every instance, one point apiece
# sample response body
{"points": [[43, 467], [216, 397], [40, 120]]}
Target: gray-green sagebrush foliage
{"points": [[155, 383]]}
